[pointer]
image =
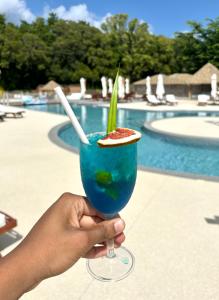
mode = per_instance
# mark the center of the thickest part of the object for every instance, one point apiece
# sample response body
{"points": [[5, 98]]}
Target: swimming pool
{"points": [[155, 151]]}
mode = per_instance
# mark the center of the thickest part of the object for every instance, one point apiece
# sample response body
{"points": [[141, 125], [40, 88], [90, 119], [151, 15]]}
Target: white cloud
{"points": [[78, 12], [150, 26], [16, 10]]}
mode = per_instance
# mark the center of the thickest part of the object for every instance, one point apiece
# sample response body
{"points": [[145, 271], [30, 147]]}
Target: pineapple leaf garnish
{"points": [[111, 125]]}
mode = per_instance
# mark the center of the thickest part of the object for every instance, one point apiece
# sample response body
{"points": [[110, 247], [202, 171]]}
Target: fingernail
{"points": [[119, 226]]}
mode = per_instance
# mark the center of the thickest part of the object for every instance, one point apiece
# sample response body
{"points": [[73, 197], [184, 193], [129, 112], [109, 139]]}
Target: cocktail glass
{"points": [[108, 177]]}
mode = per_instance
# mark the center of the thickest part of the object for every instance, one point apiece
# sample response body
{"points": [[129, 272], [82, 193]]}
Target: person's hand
{"points": [[69, 229]]}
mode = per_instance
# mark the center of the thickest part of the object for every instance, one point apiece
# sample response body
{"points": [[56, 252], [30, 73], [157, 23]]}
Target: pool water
{"points": [[154, 151]]}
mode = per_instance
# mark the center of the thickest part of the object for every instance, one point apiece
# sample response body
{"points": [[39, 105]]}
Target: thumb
{"points": [[105, 230]]}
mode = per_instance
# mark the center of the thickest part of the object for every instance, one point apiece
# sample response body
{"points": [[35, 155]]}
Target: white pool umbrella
{"points": [[127, 86], [121, 87], [83, 86], [104, 86], [148, 85], [214, 86], [110, 86], [160, 87]]}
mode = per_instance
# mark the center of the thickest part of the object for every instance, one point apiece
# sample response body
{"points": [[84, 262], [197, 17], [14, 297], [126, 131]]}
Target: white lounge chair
{"points": [[88, 96], [74, 96], [153, 100], [2, 115], [11, 110], [203, 99], [171, 99]]}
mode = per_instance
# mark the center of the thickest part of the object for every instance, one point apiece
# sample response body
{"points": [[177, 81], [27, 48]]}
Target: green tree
{"points": [[11, 44], [33, 53], [128, 42], [195, 48], [162, 52], [208, 38]]}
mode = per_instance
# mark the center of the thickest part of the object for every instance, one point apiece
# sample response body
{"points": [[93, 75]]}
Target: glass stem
{"points": [[110, 249]]}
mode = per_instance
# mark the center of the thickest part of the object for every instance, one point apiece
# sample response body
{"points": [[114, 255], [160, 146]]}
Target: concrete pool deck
{"points": [[172, 222]]}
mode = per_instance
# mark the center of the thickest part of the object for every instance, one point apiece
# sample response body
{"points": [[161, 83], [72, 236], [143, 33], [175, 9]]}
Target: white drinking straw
{"points": [[71, 115]]}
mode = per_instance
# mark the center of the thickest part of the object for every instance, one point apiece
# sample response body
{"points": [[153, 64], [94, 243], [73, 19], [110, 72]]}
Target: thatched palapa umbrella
{"points": [[201, 80], [49, 87], [203, 75]]}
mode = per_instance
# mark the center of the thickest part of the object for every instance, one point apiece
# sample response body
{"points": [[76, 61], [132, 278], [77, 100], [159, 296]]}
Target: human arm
{"points": [[68, 230]]}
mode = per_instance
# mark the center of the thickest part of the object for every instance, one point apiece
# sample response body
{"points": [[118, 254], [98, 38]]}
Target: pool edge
{"points": [[53, 136]]}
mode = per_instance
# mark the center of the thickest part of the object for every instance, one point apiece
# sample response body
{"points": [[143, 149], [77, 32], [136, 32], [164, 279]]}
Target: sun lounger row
{"points": [[169, 99], [2, 115], [6, 111], [204, 99]]}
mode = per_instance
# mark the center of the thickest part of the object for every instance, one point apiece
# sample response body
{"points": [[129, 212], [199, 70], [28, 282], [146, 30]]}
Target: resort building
{"points": [[182, 84]]}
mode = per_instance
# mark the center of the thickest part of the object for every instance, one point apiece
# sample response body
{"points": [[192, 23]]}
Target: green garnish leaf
{"points": [[111, 126], [103, 178], [112, 192]]}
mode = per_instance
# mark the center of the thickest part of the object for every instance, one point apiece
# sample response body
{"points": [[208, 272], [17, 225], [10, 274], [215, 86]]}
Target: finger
{"points": [[89, 210], [79, 203], [98, 251], [87, 222], [105, 230], [118, 240]]}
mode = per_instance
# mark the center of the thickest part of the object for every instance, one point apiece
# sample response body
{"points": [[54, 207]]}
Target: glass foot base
{"points": [[112, 269]]}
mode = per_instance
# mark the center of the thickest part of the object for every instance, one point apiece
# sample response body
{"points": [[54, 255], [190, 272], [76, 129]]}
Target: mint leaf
{"points": [[103, 178], [112, 192]]}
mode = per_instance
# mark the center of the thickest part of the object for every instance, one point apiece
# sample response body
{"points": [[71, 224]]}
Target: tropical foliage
{"points": [[32, 54]]}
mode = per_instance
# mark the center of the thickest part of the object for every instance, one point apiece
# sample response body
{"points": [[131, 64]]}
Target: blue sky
{"points": [[164, 17]]}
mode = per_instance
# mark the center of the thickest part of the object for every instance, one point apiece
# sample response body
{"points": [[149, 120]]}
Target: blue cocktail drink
{"points": [[108, 174]]}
